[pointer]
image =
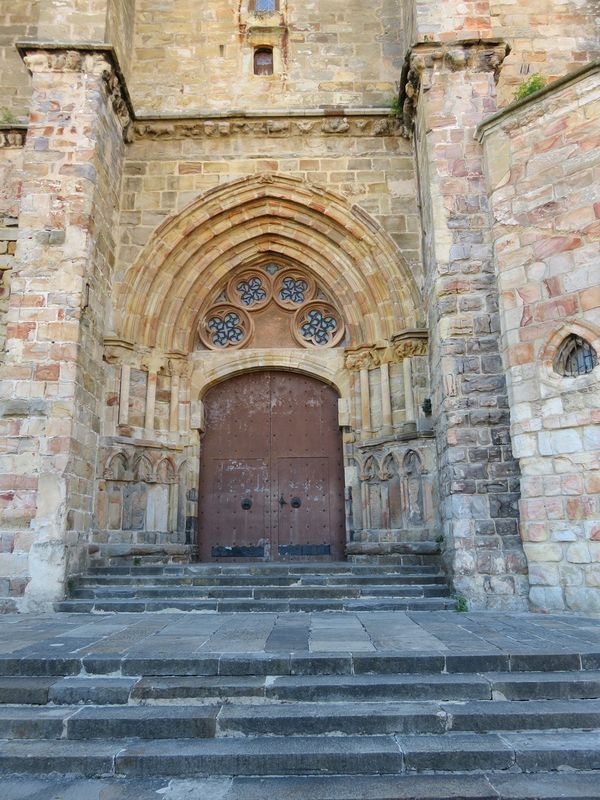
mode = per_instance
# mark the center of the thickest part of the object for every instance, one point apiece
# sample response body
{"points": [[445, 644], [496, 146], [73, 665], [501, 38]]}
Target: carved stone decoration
{"points": [[410, 343], [263, 306], [365, 357], [12, 136], [355, 125]]}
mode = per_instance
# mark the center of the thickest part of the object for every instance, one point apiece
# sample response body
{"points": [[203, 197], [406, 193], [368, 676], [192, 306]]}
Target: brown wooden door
{"points": [[271, 472]]}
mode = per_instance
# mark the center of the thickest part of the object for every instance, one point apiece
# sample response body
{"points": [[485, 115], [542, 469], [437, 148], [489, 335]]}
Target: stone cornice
{"points": [[505, 114], [12, 134], [477, 55], [75, 57]]}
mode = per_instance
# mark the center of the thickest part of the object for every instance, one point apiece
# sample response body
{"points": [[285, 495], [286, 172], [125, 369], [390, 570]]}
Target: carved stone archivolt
{"points": [[271, 305]]}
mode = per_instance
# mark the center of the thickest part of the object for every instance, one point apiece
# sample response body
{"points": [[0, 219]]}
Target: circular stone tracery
{"points": [[318, 324], [228, 323], [225, 326]]}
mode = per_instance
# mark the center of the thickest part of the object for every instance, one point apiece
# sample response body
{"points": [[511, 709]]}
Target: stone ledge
{"points": [[496, 120]]}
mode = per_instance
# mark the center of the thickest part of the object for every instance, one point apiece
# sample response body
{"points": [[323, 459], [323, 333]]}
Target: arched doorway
{"points": [[271, 470]]}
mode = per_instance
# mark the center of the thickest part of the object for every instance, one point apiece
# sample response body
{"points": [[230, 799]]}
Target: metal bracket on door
{"points": [[282, 501]]}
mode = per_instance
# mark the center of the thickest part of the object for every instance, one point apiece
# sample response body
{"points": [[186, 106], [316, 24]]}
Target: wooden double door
{"points": [[271, 470]]}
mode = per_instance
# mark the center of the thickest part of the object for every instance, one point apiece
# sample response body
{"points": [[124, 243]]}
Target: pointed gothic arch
{"points": [[274, 216]]}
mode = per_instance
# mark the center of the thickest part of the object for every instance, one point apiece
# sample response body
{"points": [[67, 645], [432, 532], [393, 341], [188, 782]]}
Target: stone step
{"points": [[294, 719], [442, 786], [268, 568], [537, 685], [583, 665], [143, 604], [259, 593], [305, 755], [241, 581], [100, 690]]}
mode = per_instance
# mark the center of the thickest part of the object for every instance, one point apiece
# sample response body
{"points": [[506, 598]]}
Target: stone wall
{"points": [[120, 20], [361, 157], [543, 170], [450, 88], [326, 53], [18, 20], [50, 381]]}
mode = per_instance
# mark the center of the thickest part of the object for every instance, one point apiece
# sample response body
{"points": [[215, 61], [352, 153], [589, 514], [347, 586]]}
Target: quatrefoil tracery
{"points": [[229, 322]]}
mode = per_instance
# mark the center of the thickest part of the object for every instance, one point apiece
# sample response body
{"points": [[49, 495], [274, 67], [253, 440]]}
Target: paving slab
{"points": [[69, 644]]}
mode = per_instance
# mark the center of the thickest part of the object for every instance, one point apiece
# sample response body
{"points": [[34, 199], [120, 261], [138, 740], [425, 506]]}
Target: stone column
{"points": [[152, 364], [409, 398], [51, 383], [119, 352], [176, 367], [386, 398], [450, 88], [124, 394]]}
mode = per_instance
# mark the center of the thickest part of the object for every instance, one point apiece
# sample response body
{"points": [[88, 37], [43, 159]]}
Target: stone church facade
{"points": [[199, 198]]}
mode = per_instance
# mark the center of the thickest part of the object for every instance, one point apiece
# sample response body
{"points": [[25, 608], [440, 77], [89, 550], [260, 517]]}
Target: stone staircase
{"points": [[278, 587], [323, 727]]}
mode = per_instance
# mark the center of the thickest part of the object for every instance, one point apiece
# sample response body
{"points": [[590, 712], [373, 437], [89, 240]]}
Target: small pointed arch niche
{"points": [[271, 304]]}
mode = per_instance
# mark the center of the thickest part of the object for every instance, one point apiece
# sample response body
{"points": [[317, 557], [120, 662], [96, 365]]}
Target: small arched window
{"points": [[575, 357], [263, 61]]}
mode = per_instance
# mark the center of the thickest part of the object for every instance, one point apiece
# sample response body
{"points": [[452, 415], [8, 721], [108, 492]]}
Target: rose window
{"points": [[271, 306]]}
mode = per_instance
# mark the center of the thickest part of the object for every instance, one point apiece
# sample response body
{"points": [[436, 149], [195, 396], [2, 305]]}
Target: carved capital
{"points": [[153, 363], [409, 343], [365, 357], [477, 55], [180, 367], [118, 351]]}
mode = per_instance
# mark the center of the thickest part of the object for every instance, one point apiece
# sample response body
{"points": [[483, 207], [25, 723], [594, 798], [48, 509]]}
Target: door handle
{"points": [[282, 501]]}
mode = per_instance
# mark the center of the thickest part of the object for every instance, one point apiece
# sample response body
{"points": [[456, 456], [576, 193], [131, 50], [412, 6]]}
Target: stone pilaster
{"points": [[50, 381], [450, 88]]}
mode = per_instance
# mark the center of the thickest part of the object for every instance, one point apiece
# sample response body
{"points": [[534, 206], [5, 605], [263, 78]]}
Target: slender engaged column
{"points": [[386, 398], [365, 401], [124, 394], [409, 400], [150, 402], [174, 407]]}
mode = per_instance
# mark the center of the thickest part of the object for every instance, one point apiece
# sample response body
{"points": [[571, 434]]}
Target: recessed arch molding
{"points": [[274, 216]]}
